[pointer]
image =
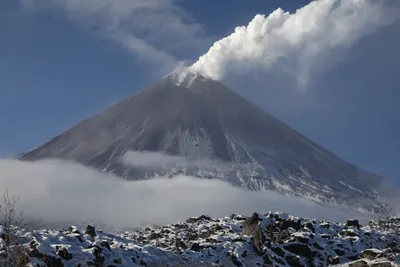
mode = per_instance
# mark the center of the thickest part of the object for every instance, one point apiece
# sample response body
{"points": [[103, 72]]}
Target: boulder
{"points": [[334, 260], [196, 247], [52, 261], [180, 244], [105, 244], [200, 218], [359, 263], [286, 224], [354, 223], [91, 231], [310, 226], [381, 264], [369, 254], [63, 253], [155, 236], [299, 249], [293, 261]]}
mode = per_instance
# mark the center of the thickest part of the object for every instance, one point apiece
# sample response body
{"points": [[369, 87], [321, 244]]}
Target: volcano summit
{"points": [[200, 120]]}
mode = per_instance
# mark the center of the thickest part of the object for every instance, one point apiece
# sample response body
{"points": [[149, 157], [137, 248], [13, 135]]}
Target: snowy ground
{"points": [[272, 239]]}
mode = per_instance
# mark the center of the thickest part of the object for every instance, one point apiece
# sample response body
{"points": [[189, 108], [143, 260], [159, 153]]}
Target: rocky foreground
{"points": [[272, 239]]}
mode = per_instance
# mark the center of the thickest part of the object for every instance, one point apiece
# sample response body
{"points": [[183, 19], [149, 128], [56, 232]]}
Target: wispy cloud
{"points": [[147, 159], [299, 44], [64, 192], [153, 30]]}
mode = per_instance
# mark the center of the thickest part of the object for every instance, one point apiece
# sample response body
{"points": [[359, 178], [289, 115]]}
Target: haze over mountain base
{"points": [[55, 193]]}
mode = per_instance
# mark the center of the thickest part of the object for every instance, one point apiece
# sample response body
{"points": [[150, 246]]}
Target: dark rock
{"points": [[293, 261], [339, 252], [117, 261], [278, 251], [334, 260], [267, 260], [34, 253], [201, 218], [360, 263], [63, 253], [369, 254], [318, 246], [165, 231], [218, 227], [279, 260], [286, 224], [235, 261], [326, 236], [52, 261], [196, 247], [354, 223], [302, 239], [91, 231], [180, 244], [325, 225], [280, 237], [105, 244], [252, 228], [348, 233], [237, 217], [353, 257], [192, 236], [205, 234], [381, 264], [244, 254], [22, 259], [310, 226], [299, 249], [155, 236], [73, 230]]}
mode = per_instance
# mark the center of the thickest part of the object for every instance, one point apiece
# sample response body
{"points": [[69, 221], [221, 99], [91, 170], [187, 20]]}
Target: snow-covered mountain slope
{"points": [[272, 239], [190, 116]]}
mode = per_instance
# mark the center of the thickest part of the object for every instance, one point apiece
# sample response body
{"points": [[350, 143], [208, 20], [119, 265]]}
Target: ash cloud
{"points": [[58, 193], [300, 43]]}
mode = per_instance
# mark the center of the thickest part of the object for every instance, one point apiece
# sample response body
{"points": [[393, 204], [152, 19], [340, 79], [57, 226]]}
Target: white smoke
{"points": [[298, 43]]}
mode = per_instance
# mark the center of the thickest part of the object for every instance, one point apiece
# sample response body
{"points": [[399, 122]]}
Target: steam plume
{"points": [[298, 43]]}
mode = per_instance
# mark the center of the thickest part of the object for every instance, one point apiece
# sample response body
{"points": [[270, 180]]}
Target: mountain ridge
{"points": [[190, 116]]}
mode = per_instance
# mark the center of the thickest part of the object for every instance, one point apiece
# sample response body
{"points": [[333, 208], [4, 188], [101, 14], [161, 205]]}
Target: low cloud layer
{"points": [[57, 192], [309, 40], [147, 159]]}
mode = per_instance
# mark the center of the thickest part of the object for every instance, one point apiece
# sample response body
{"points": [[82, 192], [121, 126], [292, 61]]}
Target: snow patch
{"points": [[182, 76]]}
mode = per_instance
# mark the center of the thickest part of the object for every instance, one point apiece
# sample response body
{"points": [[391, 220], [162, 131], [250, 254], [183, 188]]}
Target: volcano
{"points": [[195, 118]]}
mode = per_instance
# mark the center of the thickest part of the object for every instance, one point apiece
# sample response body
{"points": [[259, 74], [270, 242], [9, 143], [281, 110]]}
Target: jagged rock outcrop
{"points": [[228, 241]]}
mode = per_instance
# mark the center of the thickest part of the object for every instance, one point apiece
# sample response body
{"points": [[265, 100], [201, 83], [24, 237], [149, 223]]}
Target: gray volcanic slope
{"points": [[198, 119]]}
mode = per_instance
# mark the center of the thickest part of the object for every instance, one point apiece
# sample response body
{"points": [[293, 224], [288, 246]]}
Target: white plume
{"points": [[298, 41]]}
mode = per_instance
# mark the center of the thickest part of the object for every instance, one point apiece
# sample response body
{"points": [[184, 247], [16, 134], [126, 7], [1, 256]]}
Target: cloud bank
{"points": [[147, 159], [300, 43], [56, 193], [152, 30]]}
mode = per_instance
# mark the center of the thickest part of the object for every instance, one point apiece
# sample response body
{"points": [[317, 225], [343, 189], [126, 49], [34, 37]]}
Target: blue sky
{"points": [[58, 67]]}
